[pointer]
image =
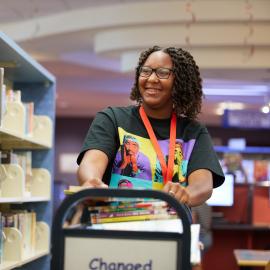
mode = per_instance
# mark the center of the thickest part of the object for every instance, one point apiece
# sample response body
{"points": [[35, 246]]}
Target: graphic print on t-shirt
{"points": [[136, 164]]}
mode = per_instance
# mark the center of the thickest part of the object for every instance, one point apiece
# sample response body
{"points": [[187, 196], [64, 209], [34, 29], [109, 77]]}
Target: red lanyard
{"points": [[167, 171]]}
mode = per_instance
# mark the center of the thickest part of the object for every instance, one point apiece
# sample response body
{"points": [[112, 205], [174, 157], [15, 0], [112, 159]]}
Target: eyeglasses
{"points": [[162, 73]]}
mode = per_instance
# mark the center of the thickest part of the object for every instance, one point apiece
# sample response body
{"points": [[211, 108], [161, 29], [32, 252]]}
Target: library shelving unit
{"points": [[37, 85], [245, 224]]}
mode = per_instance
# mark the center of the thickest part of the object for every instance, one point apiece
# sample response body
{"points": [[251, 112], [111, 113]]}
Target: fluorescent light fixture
{"points": [[255, 90], [232, 105], [229, 106]]}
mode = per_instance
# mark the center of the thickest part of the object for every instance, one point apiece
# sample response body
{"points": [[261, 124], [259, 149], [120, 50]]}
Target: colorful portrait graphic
{"points": [[136, 162], [181, 156], [130, 161]]}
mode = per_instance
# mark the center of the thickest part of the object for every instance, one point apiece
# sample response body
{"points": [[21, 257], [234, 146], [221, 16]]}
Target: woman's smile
{"points": [[152, 90]]}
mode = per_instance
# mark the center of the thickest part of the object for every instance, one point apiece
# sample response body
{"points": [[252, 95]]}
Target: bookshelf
{"points": [[245, 224], [247, 150], [37, 86]]}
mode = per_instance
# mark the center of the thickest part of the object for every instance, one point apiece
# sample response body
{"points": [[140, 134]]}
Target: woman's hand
{"points": [[179, 192], [198, 190], [94, 183]]}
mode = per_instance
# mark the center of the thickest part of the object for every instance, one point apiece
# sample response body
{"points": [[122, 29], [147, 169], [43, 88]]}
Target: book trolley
{"points": [[94, 247]]}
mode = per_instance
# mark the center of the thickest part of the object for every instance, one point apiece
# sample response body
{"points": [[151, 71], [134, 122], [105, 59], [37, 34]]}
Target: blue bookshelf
{"points": [[37, 85], [247, 150]]}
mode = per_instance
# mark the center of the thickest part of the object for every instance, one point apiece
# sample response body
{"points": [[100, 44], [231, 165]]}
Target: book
{"points": [[261, 170], [130, 210], [73, 189], [29, 118], [25, 161]]}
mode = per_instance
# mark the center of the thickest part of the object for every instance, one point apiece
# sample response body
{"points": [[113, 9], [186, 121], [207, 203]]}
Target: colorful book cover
{"points": [[261, 170], [248, 165], [131, 218]]}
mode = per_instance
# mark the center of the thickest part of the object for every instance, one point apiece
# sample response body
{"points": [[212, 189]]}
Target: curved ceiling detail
{"points": [[221, 58], [229, 39], [141, 13], [204, 41], [236, 37]]}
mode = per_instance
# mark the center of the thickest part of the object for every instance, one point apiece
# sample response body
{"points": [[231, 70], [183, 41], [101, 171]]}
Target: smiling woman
{"points": [[156, 144], [156, 87]]}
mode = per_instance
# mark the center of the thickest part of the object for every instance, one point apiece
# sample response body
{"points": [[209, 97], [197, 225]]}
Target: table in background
{"points": [[247, 258]]}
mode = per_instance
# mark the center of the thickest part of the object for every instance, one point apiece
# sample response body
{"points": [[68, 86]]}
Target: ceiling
{"points": [[92, 47]]}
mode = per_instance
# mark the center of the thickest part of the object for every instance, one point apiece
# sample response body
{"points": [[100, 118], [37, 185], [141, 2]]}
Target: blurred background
{"points": [[92, 47]]}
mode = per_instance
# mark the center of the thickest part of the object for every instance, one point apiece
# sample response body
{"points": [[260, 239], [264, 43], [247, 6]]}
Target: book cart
{"points": [[91, 247]]}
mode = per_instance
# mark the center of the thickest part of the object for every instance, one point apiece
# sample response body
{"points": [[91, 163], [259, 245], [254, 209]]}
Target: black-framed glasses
{"points": [[162, 73]]}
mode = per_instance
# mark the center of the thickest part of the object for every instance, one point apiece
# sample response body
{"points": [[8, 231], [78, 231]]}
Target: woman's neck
{"points": [[158, 113]]}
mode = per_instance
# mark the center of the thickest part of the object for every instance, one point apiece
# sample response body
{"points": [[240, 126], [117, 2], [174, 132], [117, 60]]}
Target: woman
{"points": [[168, 92]]}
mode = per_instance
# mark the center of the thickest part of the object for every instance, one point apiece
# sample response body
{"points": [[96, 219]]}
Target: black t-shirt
{"points": [[120, 133]]}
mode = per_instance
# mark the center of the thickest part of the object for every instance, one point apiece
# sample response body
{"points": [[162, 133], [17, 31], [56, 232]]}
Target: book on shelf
{"points": [[261, 170], [13, 95], [8, 157], [246, 170], [24, 160], [29, 118], [25, 222]]}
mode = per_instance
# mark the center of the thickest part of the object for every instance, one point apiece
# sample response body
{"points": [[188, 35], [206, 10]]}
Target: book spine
{"points": [[130, 218], [129, 213]]}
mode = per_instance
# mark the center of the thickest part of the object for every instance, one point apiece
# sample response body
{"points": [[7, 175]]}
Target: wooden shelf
{"points": [[13, 264], [239, 227], [12, 131], [11, 140]]}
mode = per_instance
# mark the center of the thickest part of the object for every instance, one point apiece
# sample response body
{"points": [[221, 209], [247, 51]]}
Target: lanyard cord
{"points": [[167, 171]]}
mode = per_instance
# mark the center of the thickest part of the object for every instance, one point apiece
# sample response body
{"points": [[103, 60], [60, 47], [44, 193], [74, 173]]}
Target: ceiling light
{"points": [[258, 90], [265, 109], [219, 111], [232, 105], [229, 106]]}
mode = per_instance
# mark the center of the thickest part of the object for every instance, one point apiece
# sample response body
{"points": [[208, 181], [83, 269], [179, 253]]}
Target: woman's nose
{"points": [[153, 77]]}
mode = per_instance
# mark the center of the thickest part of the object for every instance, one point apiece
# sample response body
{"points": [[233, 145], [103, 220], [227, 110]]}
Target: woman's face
{"points": [[156, 93]]}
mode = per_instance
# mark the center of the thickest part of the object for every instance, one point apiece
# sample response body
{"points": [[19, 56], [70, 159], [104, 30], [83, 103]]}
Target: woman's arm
{"points": [[200, 187], [92, 169]]}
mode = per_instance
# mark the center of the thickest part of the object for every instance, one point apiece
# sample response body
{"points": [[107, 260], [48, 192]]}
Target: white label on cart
{"points": [[119, 254]]}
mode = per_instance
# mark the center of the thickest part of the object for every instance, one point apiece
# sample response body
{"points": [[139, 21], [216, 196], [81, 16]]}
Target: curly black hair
{"points": [[187, 91]]}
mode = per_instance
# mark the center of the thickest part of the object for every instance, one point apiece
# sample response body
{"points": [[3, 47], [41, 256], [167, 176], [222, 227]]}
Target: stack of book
{"points": [[130, 210]]}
